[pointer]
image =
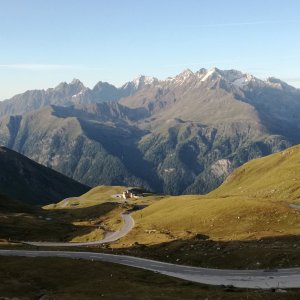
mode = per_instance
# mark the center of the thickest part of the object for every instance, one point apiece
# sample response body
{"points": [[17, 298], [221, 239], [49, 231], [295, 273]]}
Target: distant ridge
{"points": [[184, 134]]}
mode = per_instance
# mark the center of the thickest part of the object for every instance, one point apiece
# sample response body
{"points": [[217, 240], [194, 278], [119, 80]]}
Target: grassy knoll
{"points": [[275, 177], [102, 194], [58, 278], [97, 195], [94, 213], [80, 219], [97, 211]]}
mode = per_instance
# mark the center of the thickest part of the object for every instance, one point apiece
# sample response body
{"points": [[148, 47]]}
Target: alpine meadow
{"points": [[181, 183]]}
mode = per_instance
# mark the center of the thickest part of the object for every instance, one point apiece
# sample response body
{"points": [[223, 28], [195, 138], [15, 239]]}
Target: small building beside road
{"points": [[134, 193]]}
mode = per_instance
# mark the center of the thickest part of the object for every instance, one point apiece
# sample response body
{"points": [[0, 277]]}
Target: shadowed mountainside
{"points": [[27, 181]]}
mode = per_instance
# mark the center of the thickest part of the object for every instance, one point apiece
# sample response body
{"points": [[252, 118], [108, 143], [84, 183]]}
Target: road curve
{"points": [[111, 237], [260, 279]]}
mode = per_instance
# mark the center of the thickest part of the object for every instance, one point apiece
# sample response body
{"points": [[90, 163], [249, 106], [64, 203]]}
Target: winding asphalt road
{"points": [[110, 237], [260, 279]]}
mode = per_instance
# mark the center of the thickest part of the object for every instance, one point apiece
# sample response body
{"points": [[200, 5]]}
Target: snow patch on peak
{"points": [[243, 80], [214, 73], [143, 80], [80, 93], [182, 77], [186, 73], [211, 72], [140, 82], [237, 79], [233, 77]]}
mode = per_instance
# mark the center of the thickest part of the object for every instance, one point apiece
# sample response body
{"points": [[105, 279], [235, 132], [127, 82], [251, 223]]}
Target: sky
{"points": [[45, 42]]}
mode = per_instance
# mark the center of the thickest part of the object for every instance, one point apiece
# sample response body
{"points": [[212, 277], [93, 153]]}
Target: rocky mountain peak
{"points": [[183, 77], [211, 74], [232, 77], [76, 81], [100, 85], [139, 83], [143, 80], [154, 136], [186, 74], [277, 83], [74, 87]]}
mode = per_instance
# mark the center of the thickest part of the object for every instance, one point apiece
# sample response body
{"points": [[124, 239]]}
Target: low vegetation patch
{"points": [[64, 279], [94, 214]]}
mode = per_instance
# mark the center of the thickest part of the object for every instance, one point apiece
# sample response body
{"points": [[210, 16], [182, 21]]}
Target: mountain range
{"points": [[184, 134]]}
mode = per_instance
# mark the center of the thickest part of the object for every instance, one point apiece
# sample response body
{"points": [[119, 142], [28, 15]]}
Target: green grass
{"points": [[97, 195], [275, 177], [96, 213], [64, 279], [231, 218], [271, 252], [9, 205], [80, 219], [251, 204]]}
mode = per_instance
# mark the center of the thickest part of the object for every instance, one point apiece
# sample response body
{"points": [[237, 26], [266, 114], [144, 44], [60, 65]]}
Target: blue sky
{"points": [[46, 42]]}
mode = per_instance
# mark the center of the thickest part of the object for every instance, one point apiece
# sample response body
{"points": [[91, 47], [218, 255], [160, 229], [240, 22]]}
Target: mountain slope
{"points": [[185, 134], [94, 143], [29, 182], [254, 202], [9, 205], [276, 177], [203, 125]]}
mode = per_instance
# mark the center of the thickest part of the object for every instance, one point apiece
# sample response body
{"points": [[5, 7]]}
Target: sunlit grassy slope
{"points": [[275, 177], [97, 195], [229, 218], [98, 206], [252, 203], [96, 212]]}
